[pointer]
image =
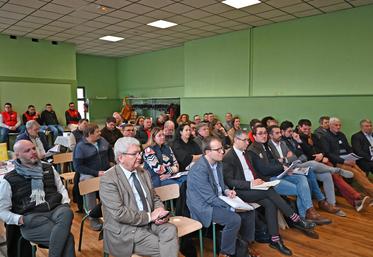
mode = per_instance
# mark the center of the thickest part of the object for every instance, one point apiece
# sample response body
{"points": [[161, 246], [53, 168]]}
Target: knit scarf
{"points": [[35, 173]]}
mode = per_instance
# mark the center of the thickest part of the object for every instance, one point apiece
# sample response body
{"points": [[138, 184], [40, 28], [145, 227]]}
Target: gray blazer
{"points": [[121, 214], [202, 191], [285, 149]]}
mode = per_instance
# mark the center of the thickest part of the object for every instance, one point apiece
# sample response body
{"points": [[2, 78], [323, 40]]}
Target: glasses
{"points": [[137, 154], [245, 139], [221, 149]]}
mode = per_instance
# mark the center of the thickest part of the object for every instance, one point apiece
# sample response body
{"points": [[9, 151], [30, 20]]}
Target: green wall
{"points": [[152, 74], [37, 73]]}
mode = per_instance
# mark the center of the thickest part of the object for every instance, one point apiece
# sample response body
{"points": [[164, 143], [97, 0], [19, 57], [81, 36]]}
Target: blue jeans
{"points": [[296, 185], [314, 186], [57, 130], [157, 182], [4, 134]]}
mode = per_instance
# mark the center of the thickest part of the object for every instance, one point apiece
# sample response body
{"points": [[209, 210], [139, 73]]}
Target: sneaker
{"points": [[341, 213], [362, 204], [345, 173]]}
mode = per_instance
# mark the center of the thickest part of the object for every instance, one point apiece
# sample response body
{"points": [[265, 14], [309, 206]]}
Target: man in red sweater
{"points": [[9, 122], [72, 117]]}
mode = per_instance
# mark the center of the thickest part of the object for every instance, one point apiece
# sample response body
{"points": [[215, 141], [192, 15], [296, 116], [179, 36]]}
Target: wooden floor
{"points": [[351, 236]]}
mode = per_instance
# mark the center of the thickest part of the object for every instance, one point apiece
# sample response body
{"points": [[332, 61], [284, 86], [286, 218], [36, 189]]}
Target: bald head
{"points": [[26, 152]]}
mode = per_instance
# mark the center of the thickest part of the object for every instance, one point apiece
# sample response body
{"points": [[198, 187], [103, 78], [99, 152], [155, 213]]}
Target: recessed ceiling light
{"points": [[111, 38], [162, 24], [240, 3]]}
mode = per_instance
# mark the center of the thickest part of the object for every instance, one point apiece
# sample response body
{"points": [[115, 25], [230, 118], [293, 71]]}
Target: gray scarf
{"points": [[34, 173]]}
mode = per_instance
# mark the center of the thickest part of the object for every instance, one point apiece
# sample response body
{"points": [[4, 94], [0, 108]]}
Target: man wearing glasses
{"points": [[205, 185], [133, 211]]}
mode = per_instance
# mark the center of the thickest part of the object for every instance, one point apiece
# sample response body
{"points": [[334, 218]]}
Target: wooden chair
{"points": [[64, 159], [184, 225], [86, 187]]}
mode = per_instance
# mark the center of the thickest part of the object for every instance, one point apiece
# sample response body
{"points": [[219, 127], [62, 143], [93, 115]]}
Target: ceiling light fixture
{"points": [[111, 38], [162, 24], [240, 3]]}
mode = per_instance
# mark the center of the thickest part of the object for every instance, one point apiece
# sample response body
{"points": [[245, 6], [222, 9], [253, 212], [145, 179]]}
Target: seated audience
{"points": [[205, 185], [160, 161], [217, 130], [33, 197], [9, 122], [205, 117], [169, 131], [118, 119], [312, 150], [77, 134], [269, 121], [50, 121], [235, 126], [37, 138], [161, 119], [210, 117], [228, 121], [239, 174], [187, 152], [253, 123], [197, 119], [202, 131], [132, 210], [193, 129], [268, 168], [362, 145], [91, 158], [110, 132], [143, 132], [183, 118], [72, 117], [128, 130], [323, 128], [334, 145], [30, 114], [139, 122]]}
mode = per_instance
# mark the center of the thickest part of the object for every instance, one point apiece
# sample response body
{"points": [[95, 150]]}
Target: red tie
{"points": [[250, 166]]}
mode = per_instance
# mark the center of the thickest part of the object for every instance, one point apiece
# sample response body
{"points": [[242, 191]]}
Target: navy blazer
{"points": [[360, 145], [202, 191]]}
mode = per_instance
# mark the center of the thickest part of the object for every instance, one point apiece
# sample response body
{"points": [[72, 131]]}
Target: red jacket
{"points": [[9, 119]]}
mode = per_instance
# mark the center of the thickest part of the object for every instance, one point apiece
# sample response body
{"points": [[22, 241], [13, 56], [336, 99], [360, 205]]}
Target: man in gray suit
{"points": [[205, 185], [132, 209]]}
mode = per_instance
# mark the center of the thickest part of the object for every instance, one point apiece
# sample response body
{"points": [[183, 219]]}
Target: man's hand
{"points": [[350, 162], [20, 221], [289, 154], [318, 157], [257, 182], [231, 193], [164, 176], [325, 160], [101, 173], [296, 137], [156, 213]]}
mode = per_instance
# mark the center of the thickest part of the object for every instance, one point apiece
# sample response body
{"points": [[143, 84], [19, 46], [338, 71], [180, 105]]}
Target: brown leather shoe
{"points": [[325, 206], [313, 216], [223, 255]]}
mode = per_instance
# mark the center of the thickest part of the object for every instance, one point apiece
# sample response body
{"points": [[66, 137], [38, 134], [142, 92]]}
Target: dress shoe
{"points": [[311, 233], [313, 216], [279, 245], [304, 224], [325, 206], [362, 204]]}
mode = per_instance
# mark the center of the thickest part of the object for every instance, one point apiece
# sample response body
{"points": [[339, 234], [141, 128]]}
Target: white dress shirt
{"points": [[278, 148], [6, 199], [246, 169]]}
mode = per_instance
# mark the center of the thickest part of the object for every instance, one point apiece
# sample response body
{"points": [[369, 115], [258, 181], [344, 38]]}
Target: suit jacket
{"points": [[263, 161], [285, 149], [202, 191], [120, 211], [331, 144], [233, 172], [360, 145]]}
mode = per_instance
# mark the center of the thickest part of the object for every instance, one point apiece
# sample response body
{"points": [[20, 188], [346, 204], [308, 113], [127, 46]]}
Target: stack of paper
{"points": [[266, 185], [237, 203]]}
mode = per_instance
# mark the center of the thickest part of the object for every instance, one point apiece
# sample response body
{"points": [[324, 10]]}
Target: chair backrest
{"points": [[168, 192], [89, 186], [62, 158]]}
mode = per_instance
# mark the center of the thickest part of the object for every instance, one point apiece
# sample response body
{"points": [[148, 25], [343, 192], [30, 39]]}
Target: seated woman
{"points": [[217, 129], [186, 150], [160, 161]]}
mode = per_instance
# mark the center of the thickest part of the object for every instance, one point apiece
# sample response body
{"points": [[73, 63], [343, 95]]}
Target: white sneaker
{"points": [[345, 173], [362, 204]]}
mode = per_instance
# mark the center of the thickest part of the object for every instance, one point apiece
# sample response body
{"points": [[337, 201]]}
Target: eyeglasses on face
{"points": [[137, 154], [243, 139], [220, 149]]}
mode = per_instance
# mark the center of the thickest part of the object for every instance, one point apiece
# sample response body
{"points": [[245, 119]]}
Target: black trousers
{"points": [[366, 166], [271, 202]]}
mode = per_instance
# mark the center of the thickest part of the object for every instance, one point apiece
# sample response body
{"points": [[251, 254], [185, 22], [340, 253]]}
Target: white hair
{"points": [[122, 145], [168, 123], [333, 120], [31, 124]]}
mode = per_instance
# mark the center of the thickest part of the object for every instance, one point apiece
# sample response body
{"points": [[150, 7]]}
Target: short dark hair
{"points": [[30, 106], [266, 119], [239, 133], [90, 129], [253, 122], [83, 120], [8, 104], [72, 103], [322, 118], [206, 143], [48, 104], [111, 119], [286, 124], [255, 129], [306, 122], [270, 128]]}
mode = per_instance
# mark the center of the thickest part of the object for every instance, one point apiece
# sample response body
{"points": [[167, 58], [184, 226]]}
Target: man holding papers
{"points": [[205, 185], [268, 168], [239, 174]]}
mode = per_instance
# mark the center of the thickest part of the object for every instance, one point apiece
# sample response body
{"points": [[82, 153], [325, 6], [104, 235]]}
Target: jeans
{"points": [[296, 185], [157, 182], [57, 130], [4, 134], [314, 186]]}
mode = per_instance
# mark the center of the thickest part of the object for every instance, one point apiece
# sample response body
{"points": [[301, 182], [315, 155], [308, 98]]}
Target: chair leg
{"points": [[200, 243], [214, 238], [81, 232], [106, 254], [19, 247]]}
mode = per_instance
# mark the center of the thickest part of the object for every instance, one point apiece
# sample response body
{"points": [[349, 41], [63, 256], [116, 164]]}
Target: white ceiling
{"points": [[82, 22]]}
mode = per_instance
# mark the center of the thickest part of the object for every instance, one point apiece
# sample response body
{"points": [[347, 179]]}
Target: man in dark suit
{"points": [[362, 145], [205, 185], [239, 174]]}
